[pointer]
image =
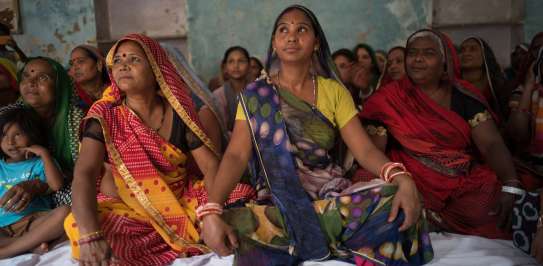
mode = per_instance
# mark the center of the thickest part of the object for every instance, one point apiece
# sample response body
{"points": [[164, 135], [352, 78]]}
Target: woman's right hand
{"points": [[218, 235], [95, 253]]}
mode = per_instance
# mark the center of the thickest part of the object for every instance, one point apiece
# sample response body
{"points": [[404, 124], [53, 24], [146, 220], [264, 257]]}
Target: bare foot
{"points": [[41, 249]]}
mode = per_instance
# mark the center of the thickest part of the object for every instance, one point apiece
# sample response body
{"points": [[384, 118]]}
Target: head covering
{"points": [[452, 64], [494, 76], [171, 84], [8, 68], [64, 133], [323, 64]]}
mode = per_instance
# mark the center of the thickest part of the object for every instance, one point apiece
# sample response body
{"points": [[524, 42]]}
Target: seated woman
{"points": [[236, 64], [438, 125], [27, 221], [306, 209], [366, 65], [148, 128], [394, 67], [47, 89], [88, 70], [381, 58], [480, 68], [255, 68], [9, 89]]}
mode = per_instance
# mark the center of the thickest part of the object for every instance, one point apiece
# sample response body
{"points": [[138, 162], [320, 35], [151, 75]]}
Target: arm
{"points": [[87, 168], [11, 43], [519, 123], [53, 175], [211, 126], [371, 158], [207, 162]]}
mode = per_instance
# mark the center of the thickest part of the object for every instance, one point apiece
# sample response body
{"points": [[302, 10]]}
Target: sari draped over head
{"points": [[86, 99], [435, 145], [64, 131], [309, 218], [494, 93], [154, 221], [385, 76], [8, 68]]}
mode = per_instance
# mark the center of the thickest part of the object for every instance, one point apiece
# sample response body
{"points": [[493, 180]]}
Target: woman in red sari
{"points": [[439, 126], [147, 126]]}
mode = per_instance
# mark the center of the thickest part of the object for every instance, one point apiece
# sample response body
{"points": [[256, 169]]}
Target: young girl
{"points": [[27, 173]]}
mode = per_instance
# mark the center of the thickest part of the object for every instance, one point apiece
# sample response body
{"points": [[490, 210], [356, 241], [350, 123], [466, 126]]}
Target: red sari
{"points": [[435, 145]]}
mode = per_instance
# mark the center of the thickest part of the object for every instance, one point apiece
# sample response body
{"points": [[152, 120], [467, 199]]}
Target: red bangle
{"points": [[392, 176], [208, 208], [89, 239]]}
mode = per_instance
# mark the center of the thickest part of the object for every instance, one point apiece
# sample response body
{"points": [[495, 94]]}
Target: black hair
{"points": [[371, 53], [235, 48], [4, 29], [345, 53], [260, 65], [28, 121], [94, 57]]}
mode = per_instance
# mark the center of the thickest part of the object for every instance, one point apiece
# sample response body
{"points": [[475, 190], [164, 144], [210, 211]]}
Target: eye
{"points": [[302, 29], [282, 29], [116, 60], [43, 78]]}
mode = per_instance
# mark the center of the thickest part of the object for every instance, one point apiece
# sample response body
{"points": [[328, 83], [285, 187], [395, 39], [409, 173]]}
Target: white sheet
{"points": [[449, 249]]}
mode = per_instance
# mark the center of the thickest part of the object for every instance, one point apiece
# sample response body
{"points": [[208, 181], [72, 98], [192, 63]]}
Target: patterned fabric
{"points": [[154, 220], [64, 132], [525, 214], [293, 141], [435, 144]]}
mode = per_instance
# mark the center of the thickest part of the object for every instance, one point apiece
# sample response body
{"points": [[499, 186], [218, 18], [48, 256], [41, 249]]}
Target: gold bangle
{"points": [[95, 233]]}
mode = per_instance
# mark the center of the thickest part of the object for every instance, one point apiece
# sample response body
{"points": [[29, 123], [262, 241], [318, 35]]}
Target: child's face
{"points": [[13, 142]]}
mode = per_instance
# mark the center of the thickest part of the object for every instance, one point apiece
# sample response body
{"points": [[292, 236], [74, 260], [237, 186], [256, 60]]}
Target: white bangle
{"points": [[513, 190]]}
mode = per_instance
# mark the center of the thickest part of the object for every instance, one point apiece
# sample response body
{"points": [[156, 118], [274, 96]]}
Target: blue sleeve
{"points": [[39, 171]]}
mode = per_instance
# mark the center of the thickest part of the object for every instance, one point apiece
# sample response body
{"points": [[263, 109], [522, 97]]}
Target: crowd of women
{"points": [[354, 156]]}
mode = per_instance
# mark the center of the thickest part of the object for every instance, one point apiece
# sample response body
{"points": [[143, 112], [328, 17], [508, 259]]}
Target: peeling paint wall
{"points": [[215, 25], [54, 27]]}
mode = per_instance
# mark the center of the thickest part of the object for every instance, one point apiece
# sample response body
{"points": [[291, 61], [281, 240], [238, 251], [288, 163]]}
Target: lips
{"points": [[292, 49]]}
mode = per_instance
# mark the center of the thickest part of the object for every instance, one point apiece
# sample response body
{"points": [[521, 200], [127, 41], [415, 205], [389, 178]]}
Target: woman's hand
{"points": [[537, 246], [17, 197], [406, 198], [95, 253], [219, 236], [504, 210]]}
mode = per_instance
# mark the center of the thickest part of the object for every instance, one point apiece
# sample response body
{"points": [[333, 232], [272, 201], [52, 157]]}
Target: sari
{"points": [[64, 131], [154, 220], [435, 145], [305, 210]]}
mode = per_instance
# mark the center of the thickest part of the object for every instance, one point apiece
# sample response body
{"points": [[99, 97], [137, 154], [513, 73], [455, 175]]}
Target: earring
{"points": [[273, 51]]}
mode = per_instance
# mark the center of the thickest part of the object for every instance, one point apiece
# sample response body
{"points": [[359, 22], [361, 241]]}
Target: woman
{"points": [[295, 112], [236, 63], [256, 68], [149, 126], [381, 58], [366, 70], [394, 67], [47, 89], [9, 91], [438, 125], [480, 68], [88, 70]]}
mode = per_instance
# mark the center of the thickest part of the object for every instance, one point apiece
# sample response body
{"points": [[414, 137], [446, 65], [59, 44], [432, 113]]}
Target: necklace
{"points": [[312, 80], [161, 120]]}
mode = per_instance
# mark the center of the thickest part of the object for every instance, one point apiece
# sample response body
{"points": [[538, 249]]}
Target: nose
{"points": [[292, 36]]}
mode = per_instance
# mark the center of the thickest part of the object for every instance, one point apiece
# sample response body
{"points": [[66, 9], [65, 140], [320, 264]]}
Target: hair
{"points": [[28, 121], [232, 49], [92, 55], [257, 62], [345, 53], [371, 52], [4, 29]]}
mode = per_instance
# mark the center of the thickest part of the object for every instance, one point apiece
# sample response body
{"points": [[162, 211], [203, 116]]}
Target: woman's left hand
{"points": [[16, 198], [406, 198], [504, 210], [537, 246]]}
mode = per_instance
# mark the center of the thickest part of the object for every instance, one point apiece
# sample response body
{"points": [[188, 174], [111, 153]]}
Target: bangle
{"points": [[513, 190], [512, 181], [95, 233], [540, 221], [387, 168], [392, 176], [207, 209]]}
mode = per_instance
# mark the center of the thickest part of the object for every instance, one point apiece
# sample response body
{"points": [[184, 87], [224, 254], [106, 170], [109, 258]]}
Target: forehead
{"points": [[424, 42], [395, 52], [236, 54], [470, 42], [341, 59], [39, 65], [129, 47], [79, 52], [295, 16]]}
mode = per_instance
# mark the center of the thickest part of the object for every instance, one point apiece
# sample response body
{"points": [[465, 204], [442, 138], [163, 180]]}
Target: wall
{"points": [[215, 25], [533, 20], [54, 27]]}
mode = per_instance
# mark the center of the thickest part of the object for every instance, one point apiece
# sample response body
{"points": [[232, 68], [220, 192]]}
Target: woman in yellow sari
{"points": [[148, 128]]}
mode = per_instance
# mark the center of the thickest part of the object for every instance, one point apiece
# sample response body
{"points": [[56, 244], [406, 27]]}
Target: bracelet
{"points": [[512, 181], [392, 176], [387, 168], [540, 222], [90, 239], [513, 190], [95, 233], [207, 209]]}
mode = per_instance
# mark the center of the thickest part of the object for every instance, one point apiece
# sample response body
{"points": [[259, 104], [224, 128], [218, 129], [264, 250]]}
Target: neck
{"points": [[142, 104], [430, 88], [474, 75], [294, 75], [45, 112], [93, 87], [238, 84]]}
